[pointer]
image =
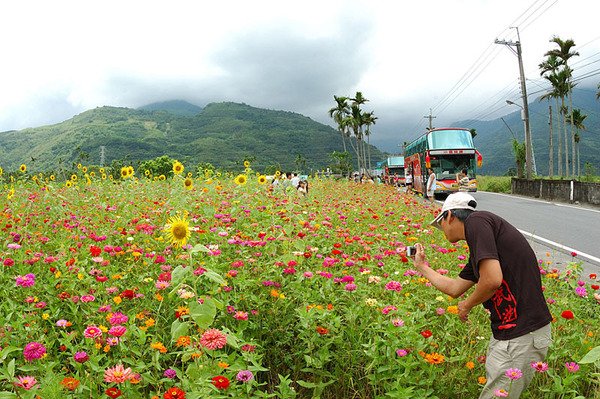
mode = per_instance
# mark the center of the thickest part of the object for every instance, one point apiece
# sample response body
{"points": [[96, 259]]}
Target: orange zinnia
{"points": [[70, 383]]}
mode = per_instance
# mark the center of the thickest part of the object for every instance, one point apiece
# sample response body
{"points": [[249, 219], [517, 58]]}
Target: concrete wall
{"points": [[558, 190]]}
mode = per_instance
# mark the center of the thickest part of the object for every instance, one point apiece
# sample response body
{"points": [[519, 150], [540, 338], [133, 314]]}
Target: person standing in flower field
{"points": [[504, 269], [431, 185]]}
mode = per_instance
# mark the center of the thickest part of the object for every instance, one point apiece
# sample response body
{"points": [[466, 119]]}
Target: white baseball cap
{"points": [[459, 200]]}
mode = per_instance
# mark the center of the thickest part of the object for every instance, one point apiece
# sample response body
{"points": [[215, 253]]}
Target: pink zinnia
{"points": [[572, 367], [88, 298], [501, 393], [244, 376], [26, 382], [92, 332], [27, 280], [117, 331], [540, 367], [240, 315], [213, 339], [393, 286], [118, 318], [350, 287], [401, 352], [118, 374], [514, 374], [34, 350], [81, 357]]}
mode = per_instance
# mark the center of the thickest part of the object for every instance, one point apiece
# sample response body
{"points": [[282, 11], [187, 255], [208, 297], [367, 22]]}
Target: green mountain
{"points": [[223, 134], [177, 107], [494, 138]]}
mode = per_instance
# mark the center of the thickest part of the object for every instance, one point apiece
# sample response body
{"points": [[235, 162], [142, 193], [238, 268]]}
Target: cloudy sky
{"points": [[62, 57]]}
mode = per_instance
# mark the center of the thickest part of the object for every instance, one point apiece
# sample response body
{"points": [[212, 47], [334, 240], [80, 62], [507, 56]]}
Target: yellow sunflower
{"points": [[178, 230], [246, 164], [147, 172], [73, 177], [101, 170], [178, 167], [161, 177], [262, 179], [130, 171], [277, 173], [68, 183], [240, 180], [84, 169], [52, 178], [1, 171], [124, 172], [23, 168], [188, 183]]}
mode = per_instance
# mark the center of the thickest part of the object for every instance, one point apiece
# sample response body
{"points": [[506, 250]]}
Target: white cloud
{"points": [[67, 56]]}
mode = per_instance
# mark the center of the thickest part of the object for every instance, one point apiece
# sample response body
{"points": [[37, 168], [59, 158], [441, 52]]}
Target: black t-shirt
{"points": [[518, 306]]}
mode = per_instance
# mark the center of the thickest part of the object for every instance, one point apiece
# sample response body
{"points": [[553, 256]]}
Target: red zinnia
{"points": [[95, 251], [113, 392], [174, 393], [567, 314], [426, 333], [322, 330], [129, 294], [221, 382], [595, 287]]}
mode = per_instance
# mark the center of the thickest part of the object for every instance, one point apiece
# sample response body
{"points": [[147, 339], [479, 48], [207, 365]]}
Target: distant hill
{"points": [[494, 139], [223, 134], [176, 107]]}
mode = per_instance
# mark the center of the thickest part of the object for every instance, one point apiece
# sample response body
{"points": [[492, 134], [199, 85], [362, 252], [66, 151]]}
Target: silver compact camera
{"points": [[411, 251]]}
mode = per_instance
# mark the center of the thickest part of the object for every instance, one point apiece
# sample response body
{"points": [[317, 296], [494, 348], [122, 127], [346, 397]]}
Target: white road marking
{"points": [[560, 247]]}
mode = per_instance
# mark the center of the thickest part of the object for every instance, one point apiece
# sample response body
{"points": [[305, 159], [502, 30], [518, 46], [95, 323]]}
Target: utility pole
{"points": [[431, 118], [550, 145], [528, 142]]}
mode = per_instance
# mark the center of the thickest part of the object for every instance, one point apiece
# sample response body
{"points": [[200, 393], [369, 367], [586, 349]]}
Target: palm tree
{"points": [[358, 122], [338, 113], [576, 120], [558, 80], [369, 119], [564, 53], [549, 68]]}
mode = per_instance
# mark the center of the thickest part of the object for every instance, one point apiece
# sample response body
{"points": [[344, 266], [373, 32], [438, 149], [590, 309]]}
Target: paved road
{"points": [[555, 227]]}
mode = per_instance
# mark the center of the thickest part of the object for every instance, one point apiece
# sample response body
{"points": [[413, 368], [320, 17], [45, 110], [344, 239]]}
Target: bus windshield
{"points": [[448, 166], [451, 138]]}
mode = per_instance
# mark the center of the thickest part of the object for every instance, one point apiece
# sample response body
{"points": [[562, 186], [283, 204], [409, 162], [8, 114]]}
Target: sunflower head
{"points": [[262, 179], [178, 230], [188, 183], [246, 164], [23, 168], [124, 172], [178, 167], [240, 180]]}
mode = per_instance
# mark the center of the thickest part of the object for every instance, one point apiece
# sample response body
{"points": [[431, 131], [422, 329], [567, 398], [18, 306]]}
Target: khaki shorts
{"points": [[517, 353]]}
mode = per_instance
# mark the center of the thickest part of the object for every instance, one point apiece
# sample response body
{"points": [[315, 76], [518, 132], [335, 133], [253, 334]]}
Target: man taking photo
{"points": [[504, 270]]}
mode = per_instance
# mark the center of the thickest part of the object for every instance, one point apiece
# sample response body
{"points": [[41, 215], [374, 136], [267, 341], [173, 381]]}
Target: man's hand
{"points": [[463, 310], [420, 262]]}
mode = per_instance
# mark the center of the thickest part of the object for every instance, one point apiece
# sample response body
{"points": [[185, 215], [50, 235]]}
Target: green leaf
{"points": [[199, 248], [306, 384], [203, 314], [214, 277], [178, 275], [592, 356], [11, 368], [178, 329], [7, 395]]}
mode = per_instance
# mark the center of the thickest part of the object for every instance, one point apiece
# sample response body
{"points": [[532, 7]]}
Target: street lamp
{"points": [[529, 159]]}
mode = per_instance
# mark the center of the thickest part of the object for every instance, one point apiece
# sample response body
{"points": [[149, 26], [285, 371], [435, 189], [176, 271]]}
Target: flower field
{"points": [[223, 287]]}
